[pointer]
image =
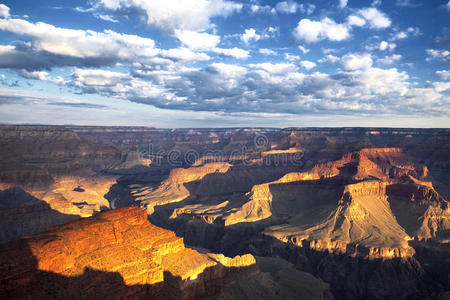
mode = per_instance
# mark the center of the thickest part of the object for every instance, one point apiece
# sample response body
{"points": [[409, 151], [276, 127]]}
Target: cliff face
{"points": [[118, 254], [58, 169]]}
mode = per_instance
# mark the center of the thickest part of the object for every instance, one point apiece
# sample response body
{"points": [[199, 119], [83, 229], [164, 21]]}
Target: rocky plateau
{"points": [[234, 213]]}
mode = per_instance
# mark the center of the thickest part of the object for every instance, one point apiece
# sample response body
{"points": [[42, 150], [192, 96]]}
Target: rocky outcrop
{"points": [[118, 254]]}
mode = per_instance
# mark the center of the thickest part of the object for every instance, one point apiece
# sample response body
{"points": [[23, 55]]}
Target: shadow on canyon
{"points": [[21, 278], [23, 214]]}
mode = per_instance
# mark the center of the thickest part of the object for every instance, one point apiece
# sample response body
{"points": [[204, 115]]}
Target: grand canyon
{"points": [[225, 149], [91, 212]]}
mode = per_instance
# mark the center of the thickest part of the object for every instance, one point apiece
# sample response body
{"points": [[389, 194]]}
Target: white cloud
{"points": [[291, 7], [352, 62], [438, 54], [177, 14], [386, 46], [80, 43], [280, 68], [287, 7], [268, 87], [342, 3], [106, 18], [303, 49], [266, 9], [383, 46], [196, 40], [376, 3], [41, 75], [401, 35], [233, 52], [4, 11], [308, 65], [414, 31], [184, 54], [314, 31], [448, 5], [375, 18], [250, 35], [444, 74], [329, 58], [389, 60], [267, 51], [36, 75], [228, 69], [356, 21], [441, 86], [98, 77], [290, 57]]}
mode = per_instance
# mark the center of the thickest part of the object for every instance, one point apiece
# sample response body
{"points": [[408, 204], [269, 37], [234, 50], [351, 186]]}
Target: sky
{"points": [[221, 63]]}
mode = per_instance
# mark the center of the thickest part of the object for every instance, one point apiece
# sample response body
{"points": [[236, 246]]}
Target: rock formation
{"points": [[365, 209], [118, 254]]}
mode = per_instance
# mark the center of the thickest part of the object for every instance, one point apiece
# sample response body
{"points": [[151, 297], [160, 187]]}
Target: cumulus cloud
{"points": [[38, 75], [352, 62], [443, 74], [441, 86], [314, 31], [250, 35], [164, 77], [438, 54], [266, 51], [51, 46], [269, 87], [266, 9], [308, 65], [291, 7], [4, 11], [233, 52], [279, 68], [411, 31], [389, 60], [291, 57], [196, 40], [184, 54], [353, 20], [342, 3], [329, 58], [287, 7], [386, 46], [169, 15], [375, 18], [303, 49]]}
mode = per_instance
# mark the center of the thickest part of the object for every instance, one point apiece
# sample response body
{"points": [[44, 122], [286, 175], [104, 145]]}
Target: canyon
{"points": [[344, 213]]}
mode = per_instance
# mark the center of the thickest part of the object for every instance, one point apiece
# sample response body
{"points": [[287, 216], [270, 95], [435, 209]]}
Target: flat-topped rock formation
{"points": [[118, 254]]}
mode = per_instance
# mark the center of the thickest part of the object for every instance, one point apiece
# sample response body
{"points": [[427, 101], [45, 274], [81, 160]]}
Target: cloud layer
{"points": [[210, 69]]}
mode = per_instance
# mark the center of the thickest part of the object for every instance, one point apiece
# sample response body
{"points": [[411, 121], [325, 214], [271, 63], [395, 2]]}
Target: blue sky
{"points": [[204, 63]]}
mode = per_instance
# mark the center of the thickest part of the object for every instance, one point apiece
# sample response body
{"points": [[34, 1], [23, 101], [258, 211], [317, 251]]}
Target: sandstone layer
{"points": [[118, 254]]}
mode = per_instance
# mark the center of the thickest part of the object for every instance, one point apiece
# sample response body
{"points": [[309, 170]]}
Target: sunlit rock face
{"points": [[118, 254], [354, 200]]}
